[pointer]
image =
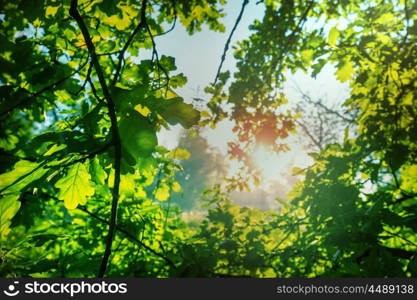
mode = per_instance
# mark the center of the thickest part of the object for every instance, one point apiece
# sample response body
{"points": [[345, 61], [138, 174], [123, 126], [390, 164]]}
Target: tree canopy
{"points": [[84, 178]]}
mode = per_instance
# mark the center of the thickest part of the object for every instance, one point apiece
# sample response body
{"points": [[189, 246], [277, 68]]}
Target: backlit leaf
{"points": [[9, 205], [75, 187], [162, 192], [179, 153], [23, 173], [137, 134], [345, 71], [175, 111], [333, 36], [97, 172]]}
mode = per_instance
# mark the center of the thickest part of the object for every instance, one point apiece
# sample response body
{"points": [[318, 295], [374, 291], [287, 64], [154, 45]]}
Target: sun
{"points": [[273, 166], [277, 166], [267, 162]]}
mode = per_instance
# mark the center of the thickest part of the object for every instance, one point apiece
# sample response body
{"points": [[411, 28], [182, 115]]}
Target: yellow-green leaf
{"points": [[387, 18], [176, 187], [23, 173], [179, 153], [75, 187], [162, 192], [297, 171], [333, 36], [9, 205], [143, 110], [140, 192], [119, 23], [345, 72], [409, 175], [51, 11], [307, 56]]}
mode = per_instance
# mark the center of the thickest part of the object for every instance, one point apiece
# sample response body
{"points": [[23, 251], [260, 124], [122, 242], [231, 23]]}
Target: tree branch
{"points": [[172, 26], [40, 92], [308, 99], [290, 40], [156, 55], [128, 235], [305, 129], [114, 130], [87, 78], [87, 156], [15, 156], [226, 47], [122, 52], [24, 176]]}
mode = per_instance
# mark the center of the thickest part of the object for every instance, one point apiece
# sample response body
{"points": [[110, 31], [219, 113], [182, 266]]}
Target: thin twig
{"points": [[87, 78], [129, 236], [156, 55], [49, 87], [305, 129], [87, 156], [141, 25], [307, 98], [173, 23], [24, 176], [226, 47]]}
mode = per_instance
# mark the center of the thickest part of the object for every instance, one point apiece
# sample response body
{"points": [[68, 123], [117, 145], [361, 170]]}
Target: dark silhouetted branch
{"points": [[122, 52], [43, 90], [129, 236], [312, 138], [114, 130], [226, 47]]}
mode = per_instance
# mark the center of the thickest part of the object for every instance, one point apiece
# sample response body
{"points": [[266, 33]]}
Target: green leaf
{"points": [[179, 153], [127, 99], [75, 187], [345, 71], [41, 239], [346, 135], [397, 156], [314, 155], [317, 67], [23, 173], [175, 111], [333, 36], [137, 134], [97, 173], [9, 98], [32, 9], [229, 245], [9, 205], [162, 192], [109, 7], [386, 19], [168, 62]]}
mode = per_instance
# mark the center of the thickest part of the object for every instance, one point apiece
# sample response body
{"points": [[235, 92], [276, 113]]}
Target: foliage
{"points": [[83, 177]]}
